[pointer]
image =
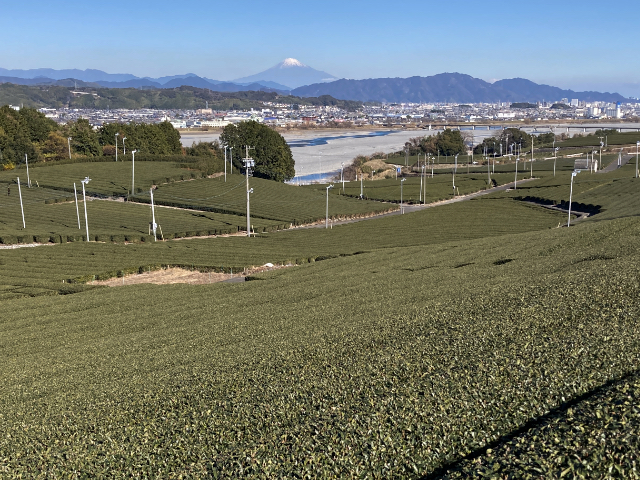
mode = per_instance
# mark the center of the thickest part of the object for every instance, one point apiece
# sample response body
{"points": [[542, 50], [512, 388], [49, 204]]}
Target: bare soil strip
{"points": [[181, 275]]}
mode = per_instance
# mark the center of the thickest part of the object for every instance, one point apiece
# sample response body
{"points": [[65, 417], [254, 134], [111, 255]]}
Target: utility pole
{"points": [[133, 172], [26, 160], [75, 194], [424, 177], [225, 163], [488, 171], [421, 179], [69, 143], [454, 175], [84, 198], [117, 146], [601, 145], [249, 163], [326, 222], [153, 217], [573, 174], [21, 207], [532, 155], [506, 142]]}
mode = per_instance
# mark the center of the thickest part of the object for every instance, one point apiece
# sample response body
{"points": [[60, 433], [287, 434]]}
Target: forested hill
{"points": [[448, 87], [132, 98]]}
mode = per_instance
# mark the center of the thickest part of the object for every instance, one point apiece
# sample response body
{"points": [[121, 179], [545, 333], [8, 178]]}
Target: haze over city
{"points": [[574, 45]]}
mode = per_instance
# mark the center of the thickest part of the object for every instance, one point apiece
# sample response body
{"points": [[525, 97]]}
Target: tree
{"points": [[84, 139], [272, 155], [515, 135], [450, 142], [203, 149], [55, 147], [155, 139], [23, 132]]}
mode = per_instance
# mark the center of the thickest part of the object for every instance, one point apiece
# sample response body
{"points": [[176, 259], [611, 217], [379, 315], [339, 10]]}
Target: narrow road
{"points": [[614, 164], [415, 208]]}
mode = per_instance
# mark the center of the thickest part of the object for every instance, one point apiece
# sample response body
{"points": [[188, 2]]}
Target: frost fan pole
{"points": [[27, 162], [153, 217], [75, 194], [249, 163], [21, 207], [84, 200]]}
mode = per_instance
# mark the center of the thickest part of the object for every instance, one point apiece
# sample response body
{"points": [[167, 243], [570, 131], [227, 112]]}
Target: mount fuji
{"points": [[291, 73]]}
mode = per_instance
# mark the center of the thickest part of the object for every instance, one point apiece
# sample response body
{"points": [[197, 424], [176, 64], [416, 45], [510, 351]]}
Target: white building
{"points": [[214, 123]]}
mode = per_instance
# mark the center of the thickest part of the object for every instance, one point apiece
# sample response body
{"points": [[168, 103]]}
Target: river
{"points": [[319, 154]]}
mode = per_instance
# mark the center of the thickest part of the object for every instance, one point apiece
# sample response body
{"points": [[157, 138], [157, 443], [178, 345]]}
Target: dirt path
{"points": [[180, 275]]}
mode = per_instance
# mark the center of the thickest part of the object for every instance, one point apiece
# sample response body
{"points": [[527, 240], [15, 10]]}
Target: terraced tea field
{"points": [[467, 339], [392, 363], [614, 193], [440, 187], [48, 267], [270, 200], [107, 178], [110, 221]]}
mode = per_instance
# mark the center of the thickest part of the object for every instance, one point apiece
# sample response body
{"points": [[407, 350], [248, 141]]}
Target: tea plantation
{"points": [[270, 200], [107, 178], [465, 340]]}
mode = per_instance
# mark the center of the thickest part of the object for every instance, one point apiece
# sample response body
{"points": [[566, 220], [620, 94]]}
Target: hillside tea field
{"points": [[270, 200], [440, 187], [292, 375], [52, 269], [113, 221], [107, 178], [464, 340]]}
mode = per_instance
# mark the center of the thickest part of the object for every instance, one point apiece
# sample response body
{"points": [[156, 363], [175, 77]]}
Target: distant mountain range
{"points": [[308, 82], [98, 78], [447, 87]]}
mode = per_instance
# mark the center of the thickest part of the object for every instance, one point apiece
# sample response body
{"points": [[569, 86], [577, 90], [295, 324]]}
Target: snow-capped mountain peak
{"points": [[289, 72], [291, 62]]}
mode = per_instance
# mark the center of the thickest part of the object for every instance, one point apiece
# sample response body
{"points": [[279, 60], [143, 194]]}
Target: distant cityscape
{"points": [[386, 115]]}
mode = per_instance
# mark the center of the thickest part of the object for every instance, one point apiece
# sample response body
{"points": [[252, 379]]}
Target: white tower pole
{"points": [[21, 207], [84, 199], [26, 160], [153, 217], [133, 171], [573, 174], [75, 194]]}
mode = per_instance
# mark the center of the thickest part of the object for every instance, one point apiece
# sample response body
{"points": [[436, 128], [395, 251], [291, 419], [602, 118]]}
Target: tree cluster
{"points": [[24, 131], [272, 155], [447, 142], [154, 139], [523, 105], [27, 131]]}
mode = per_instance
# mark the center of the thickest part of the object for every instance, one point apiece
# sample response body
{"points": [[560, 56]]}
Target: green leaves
{"points": [[272, 155]]}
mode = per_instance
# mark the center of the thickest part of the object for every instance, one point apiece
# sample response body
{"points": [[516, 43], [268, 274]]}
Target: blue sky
{"points": [[579, 45]]}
